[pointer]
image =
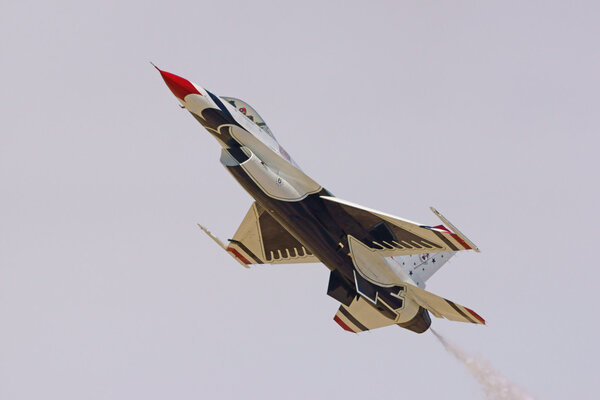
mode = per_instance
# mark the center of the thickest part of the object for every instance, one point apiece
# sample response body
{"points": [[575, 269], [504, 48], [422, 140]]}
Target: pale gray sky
{"points": [[108, 290]]}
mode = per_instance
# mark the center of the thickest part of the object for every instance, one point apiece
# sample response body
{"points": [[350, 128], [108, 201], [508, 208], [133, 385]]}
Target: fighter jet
{"points": [[378, 263]]}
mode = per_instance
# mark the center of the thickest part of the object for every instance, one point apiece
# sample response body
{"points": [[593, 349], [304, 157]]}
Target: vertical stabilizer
{"points": [[420, 267]]}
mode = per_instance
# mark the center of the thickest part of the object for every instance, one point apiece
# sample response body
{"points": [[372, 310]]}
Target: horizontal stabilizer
{"points": [[443, 308], [360, 316]]}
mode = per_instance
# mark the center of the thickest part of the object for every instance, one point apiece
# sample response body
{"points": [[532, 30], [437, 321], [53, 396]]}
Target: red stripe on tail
{"points": [[473, 313]]}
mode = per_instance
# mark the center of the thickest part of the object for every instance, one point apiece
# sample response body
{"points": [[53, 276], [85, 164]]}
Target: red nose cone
{"points": [[179, 86]]}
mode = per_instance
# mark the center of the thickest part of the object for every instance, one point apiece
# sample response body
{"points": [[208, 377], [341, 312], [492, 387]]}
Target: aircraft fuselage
{"points": [[265, 170]]}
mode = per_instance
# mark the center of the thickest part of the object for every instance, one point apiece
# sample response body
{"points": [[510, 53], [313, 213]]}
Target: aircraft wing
{"points": [[399, 237], [260, 239], [359, 316]]}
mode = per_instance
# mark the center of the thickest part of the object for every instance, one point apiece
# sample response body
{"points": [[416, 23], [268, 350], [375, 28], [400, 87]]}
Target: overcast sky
{"points": [[108, 289]]}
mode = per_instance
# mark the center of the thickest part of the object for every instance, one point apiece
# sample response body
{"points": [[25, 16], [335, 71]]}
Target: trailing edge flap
{"points": [[394, 236], [260, 239], [443, 308], [360, 316]]}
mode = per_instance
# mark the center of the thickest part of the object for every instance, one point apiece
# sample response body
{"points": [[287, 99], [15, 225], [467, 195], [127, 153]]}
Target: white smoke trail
{"points": [[495, 385]]}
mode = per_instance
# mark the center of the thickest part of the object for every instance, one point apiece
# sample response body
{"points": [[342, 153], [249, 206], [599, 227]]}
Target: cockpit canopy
{"points": [[249, 112]]}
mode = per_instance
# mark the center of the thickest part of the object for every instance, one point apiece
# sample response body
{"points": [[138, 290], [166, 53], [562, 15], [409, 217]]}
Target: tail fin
{"points": [[421, 267]]}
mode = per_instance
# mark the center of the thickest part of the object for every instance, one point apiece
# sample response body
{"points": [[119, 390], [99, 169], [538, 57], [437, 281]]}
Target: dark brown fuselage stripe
{"points": [[353, 320], [458, 310], [247, 250], [443, 239]]}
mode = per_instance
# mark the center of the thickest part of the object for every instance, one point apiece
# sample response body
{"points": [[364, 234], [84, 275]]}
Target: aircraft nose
{"points": [[180, 87]]}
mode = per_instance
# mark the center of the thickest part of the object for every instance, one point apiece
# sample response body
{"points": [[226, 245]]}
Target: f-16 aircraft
{"points": [[378, 263]]}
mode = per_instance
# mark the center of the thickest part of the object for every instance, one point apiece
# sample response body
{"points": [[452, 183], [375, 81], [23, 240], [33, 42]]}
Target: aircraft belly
{"points": [[270, 182], [297, 218], [309, 221]]}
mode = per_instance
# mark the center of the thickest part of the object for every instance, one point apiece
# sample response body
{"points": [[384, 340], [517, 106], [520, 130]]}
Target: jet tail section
{"points": [[421, 267], [374, 272]]}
